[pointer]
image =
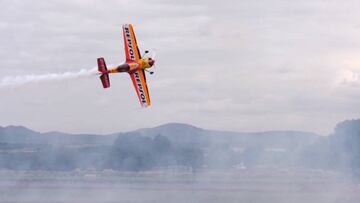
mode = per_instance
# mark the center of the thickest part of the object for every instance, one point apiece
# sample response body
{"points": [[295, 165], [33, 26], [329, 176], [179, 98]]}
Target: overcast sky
{"points": [[228, 65]]}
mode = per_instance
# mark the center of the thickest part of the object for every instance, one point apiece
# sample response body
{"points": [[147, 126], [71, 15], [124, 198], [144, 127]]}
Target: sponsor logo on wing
{"points": [[129, 42], [140, 87]]}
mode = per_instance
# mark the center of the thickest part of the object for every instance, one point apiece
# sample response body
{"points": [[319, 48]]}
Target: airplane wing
{"points": [[132, 52], [139, 80]]}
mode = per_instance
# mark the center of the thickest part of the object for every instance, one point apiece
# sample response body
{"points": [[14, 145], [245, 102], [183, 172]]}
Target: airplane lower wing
{"points": [[139, 81]]}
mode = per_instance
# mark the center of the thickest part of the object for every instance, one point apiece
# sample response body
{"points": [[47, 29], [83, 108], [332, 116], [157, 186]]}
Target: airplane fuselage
{"points": [[132, 66]]}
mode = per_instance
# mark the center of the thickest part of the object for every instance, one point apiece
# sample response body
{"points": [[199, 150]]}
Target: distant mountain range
{"points": [[164, 146], [179, 146], [176, 132]]}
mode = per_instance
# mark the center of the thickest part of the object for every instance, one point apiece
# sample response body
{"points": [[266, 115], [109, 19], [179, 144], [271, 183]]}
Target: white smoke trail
{"points": [[32, 78]]}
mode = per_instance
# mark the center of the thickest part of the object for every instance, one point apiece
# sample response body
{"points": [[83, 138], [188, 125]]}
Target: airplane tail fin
{"points": [[102, 69]]}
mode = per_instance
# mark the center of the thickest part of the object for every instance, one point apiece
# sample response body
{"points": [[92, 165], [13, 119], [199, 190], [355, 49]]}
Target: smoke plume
{"points": [[33, 78]]}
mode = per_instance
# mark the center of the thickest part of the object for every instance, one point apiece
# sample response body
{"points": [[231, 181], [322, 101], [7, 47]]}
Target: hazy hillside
{"points": [[183, 133], [22, 135], [167, 145], [176, 132], [180, 145], [18, 134]]}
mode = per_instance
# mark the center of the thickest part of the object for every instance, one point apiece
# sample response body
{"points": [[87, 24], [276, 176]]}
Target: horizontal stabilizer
{"points": [[105, 80], [102, 69], [101, 65]]}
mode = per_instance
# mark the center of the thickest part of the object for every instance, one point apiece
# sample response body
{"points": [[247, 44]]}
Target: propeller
{"points": [[152, 55]]}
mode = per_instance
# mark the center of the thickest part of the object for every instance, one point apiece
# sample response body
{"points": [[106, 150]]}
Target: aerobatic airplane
{"points": [[135, 65]]}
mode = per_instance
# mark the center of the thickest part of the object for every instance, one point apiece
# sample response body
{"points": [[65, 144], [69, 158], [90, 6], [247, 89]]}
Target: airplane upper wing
{"points": [[139, 80], [132, 52]]}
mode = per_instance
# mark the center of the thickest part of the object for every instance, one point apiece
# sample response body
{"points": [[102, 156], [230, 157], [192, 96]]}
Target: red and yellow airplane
{"points": [[135, 65]]}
